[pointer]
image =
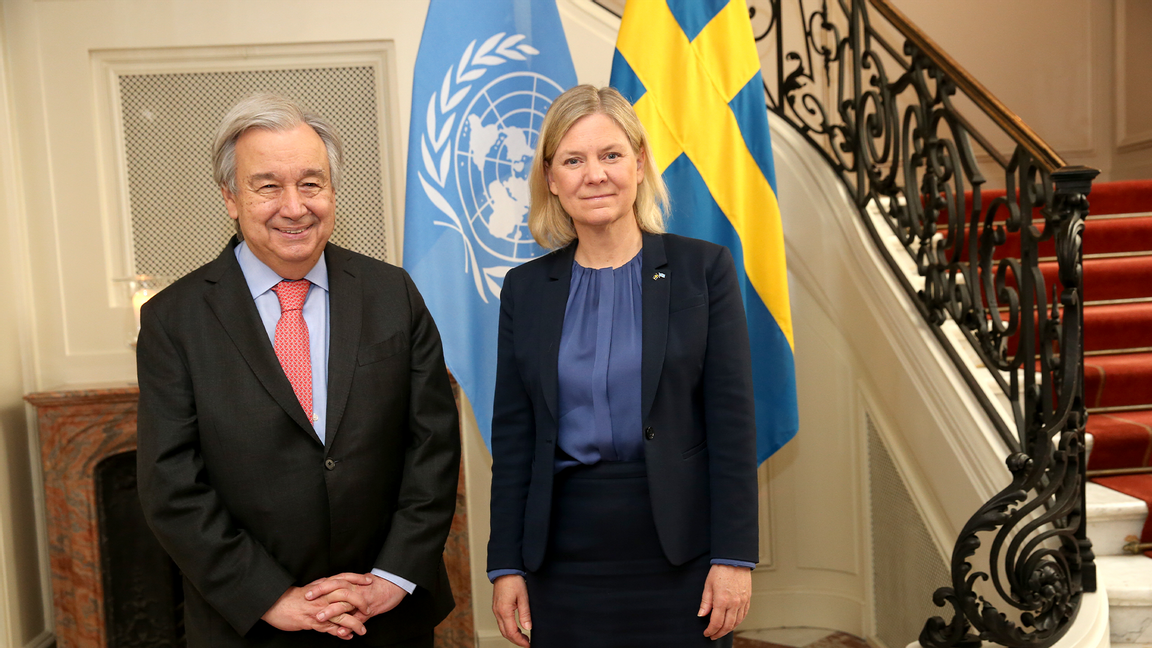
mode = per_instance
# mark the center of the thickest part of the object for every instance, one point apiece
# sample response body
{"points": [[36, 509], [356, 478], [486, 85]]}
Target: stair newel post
{"points": [[1072, 186]]}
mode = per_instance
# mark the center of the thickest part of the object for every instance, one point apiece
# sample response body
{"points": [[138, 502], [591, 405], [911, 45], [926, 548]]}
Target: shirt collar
{"points": [[261, 278]]}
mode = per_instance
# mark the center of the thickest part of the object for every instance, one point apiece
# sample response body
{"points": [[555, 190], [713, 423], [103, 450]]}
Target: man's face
{"points": [[284, 201]]}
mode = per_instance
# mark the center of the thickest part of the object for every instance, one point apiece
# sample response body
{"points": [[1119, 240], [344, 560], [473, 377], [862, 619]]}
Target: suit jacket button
{"points": [[649, 433], [330, 463]]}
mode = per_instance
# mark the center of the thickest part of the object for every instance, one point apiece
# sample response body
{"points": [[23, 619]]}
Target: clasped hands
{"points": [[338, 605]]}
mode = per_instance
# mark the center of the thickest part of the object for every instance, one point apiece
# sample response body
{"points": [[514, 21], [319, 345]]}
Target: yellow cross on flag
{"points": [[691, 69]]}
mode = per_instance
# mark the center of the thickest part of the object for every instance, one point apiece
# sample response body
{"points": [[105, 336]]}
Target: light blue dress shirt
{"points": [[261, 279]]}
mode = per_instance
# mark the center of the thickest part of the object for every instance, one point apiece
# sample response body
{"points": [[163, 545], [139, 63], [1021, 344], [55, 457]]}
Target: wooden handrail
{"points": [[981, 96]]}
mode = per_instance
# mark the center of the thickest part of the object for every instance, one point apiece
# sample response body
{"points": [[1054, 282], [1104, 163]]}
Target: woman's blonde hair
{"points": [[551, 226]]}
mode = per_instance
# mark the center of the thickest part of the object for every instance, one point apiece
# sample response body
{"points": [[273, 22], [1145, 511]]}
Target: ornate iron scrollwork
{"points": [[885, 119]]}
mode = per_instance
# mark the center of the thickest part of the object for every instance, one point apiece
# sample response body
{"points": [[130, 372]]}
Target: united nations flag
{"points": [[485, 75]]}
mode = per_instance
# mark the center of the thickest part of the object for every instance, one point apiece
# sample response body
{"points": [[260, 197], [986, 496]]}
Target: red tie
{"points": [[292, 340]]}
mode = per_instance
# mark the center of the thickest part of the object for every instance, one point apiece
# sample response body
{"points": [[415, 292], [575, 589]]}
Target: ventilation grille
{"points": [[177, 214], [907, 566]]}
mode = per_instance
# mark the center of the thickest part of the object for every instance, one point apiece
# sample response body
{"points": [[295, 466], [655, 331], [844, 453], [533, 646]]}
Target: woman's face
{"points": [[595, 172]]}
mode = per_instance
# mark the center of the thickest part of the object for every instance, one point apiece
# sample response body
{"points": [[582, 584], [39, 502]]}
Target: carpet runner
{"points": [[1118, 335], [1117, 280]]}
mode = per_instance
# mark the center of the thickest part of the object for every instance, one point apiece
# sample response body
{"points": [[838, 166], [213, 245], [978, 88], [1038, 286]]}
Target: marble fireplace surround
{"points": [[81, 427]]}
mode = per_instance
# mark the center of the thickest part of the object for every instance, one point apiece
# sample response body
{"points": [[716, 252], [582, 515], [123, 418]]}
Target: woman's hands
{"points": [[509, 596], [727, 595]]}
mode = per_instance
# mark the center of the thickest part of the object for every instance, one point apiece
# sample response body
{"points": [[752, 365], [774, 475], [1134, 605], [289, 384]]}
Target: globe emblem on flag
{"points": [[495, 144], [476, 148]]}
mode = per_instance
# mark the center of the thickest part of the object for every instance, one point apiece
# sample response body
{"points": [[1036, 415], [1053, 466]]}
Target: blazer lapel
{"points": [[344, 322], [554, 301], [656, 279], [232, 303]]}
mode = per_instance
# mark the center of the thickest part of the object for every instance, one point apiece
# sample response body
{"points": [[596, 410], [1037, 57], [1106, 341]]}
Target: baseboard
{"points": [[812, 609], [46, 639]]}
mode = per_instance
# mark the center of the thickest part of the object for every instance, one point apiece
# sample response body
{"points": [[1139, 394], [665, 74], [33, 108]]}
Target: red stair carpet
{"points": [[1117, 243], [1118, 335], [1117, 332]]}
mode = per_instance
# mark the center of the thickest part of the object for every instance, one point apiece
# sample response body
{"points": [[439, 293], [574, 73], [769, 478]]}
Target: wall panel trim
{"points": [[1125, 140]]}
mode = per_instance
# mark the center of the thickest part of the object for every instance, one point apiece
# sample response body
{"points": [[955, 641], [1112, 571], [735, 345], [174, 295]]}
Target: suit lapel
{"points": [[232, 303], [656, 279], [554, 301], [344, 322]]}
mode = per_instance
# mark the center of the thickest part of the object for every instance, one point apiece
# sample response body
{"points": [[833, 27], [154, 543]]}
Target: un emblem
{"points": [[477, 148]]}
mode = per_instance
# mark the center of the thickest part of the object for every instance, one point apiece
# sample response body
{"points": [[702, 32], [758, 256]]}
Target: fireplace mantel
{"points": [[79, 428]]}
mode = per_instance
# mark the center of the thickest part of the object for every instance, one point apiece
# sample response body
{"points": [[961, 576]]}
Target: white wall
{"points": [[22, 596], [1133, 88]]}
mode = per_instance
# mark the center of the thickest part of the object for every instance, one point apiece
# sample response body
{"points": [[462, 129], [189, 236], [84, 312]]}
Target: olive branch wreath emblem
{"points": [[435, 149]]}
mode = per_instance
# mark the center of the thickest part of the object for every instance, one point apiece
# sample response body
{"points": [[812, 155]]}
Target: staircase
{"points": [[887, 125], [1118, 393]]}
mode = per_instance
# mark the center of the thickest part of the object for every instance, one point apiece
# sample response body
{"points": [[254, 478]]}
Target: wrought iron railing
{"points": [[887, 121]]}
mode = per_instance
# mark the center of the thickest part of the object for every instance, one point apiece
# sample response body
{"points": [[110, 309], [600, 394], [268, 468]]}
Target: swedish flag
{"points": [[691, 69]]}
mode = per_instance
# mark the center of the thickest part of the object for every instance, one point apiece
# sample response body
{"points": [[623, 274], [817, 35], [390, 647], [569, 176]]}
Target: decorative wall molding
{"points": [[22, 613], [1126, 139], [907, 553], [916, 481]]}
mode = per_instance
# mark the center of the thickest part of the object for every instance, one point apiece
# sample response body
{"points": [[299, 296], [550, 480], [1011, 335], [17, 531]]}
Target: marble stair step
{"points": [[1112, 518], [1128, 581]]}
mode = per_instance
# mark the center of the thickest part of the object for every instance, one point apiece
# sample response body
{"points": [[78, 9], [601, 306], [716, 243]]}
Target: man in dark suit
{"points": [[298, 456]]}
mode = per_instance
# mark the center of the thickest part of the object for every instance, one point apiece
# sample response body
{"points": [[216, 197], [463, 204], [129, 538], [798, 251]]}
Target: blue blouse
{"points": [[599, 366]]}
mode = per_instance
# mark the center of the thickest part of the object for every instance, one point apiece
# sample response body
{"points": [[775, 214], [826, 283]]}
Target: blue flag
{"points": [[485, 75]]}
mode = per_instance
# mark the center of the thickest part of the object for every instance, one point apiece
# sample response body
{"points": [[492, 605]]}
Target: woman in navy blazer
{"points": [[623, 431]]}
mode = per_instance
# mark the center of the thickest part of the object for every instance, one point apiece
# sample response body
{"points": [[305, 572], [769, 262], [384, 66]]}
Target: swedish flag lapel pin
{"points": [[658, 275]]}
